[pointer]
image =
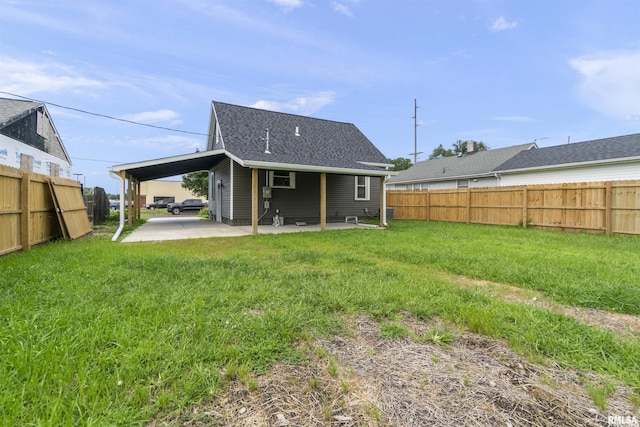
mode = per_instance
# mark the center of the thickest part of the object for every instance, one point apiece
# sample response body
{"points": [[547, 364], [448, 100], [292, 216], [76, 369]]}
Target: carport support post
{"points": [[254, 201], [129, 201], [323, 201], [138, 204]]}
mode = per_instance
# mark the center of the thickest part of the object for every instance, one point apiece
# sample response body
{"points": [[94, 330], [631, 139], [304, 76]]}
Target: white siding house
{"points": [[608, 159]]}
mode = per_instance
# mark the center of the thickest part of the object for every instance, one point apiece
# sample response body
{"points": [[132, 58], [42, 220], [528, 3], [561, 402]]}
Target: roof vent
{"points": [[297, 131], [266, 150]]}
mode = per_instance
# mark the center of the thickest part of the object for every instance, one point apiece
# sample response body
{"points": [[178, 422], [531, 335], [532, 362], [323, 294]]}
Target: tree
{"points": [[440, 151], [400, 164], [197, 183], [457, 149]]}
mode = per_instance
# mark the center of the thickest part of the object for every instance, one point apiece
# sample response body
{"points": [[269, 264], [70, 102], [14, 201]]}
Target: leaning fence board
{"points": [[71, 207], [601, 207]]}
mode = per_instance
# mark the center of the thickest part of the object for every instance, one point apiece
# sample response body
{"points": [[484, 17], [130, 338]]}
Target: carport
{"points": [[132, 174]]}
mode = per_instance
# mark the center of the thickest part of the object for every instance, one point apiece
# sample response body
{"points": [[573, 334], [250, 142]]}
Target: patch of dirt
{"points": [[624, 325], [364, 379]]}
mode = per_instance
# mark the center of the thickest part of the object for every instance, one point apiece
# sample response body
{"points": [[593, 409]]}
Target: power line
{"points": [[96, 160], [105, 116]]}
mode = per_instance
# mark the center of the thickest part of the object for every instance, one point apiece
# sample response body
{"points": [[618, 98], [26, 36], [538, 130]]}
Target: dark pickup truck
{"points": [[186, 205]]}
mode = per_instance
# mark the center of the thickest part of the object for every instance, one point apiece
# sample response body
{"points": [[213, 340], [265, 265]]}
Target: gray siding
{"points": [[303, 202], [241, 195], [222, 171], [341, 200]]}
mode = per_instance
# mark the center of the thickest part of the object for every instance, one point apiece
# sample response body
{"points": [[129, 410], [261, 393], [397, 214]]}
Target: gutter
{"points": [[310, 168], [121, 226]]}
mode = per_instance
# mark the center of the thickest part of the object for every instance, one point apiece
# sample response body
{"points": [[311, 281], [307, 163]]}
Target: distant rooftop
{"points": [[474, 164], [618, 147]]}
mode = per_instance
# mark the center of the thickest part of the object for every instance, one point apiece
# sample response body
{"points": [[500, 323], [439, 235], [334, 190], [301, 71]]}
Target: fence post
{"points": [[25, 235], [608, 197], [525, 207], [468, 205], [428, 206]]}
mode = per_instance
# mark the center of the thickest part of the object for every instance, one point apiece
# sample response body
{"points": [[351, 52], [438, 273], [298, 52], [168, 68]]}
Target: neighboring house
{"points": [[29, 140], [608, 159], [474, 169], [263, 163]]}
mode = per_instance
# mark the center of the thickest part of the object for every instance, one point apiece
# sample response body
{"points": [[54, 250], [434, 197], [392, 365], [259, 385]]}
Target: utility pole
{"points": [[415, 132]]}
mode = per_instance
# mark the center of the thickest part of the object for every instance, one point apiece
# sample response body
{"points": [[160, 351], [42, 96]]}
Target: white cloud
{"points": [[341, 8], [517, 119], [303, 105], [501, 24], [287, 4], [159, 116], [610, 83], [168, 143], [25, 78]]}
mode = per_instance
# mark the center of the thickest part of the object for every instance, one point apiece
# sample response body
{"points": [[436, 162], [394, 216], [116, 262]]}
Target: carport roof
{"points": [[185, 163], [170, 166]]}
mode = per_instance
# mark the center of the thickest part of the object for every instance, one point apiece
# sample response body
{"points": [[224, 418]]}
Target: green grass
{"points": [[95, 332]]}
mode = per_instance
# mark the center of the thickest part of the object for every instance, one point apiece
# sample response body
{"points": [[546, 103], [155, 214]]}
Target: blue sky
{"points": [[504, 72]]}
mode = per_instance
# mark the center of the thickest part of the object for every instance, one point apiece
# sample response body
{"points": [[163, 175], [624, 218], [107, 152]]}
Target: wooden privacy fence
{"points": [[37, 208], [596, 207]]}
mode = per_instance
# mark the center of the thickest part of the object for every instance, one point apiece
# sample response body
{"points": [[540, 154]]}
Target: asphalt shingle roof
{"points": [[588, 151], [319, 142], [475, 164], [13, 109]]}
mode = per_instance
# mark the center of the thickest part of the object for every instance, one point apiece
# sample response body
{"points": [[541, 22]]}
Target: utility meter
{"points": [[266, 192]]}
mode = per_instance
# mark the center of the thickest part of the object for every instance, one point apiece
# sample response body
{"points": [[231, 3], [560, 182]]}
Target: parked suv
{"points": [[186, 205]]}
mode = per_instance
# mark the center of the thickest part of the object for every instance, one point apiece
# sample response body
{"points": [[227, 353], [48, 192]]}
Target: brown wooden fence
{"points": [[596, 207], [37, 208]]}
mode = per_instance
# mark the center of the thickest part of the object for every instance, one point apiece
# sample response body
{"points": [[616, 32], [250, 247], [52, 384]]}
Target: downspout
{"points": [[121, 226], [384, 195], [498, 178]]}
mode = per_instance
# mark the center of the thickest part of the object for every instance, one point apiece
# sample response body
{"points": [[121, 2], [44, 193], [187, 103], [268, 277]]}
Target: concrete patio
{"points": [[180, 227]]}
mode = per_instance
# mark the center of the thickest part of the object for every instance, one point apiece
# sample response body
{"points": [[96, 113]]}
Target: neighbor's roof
{"points": [[469, 165], [595, 151], [295, 141], [15, 109]]}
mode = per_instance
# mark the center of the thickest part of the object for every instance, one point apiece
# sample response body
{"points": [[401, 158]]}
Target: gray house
{"points": [[264, 164], [29, 140], [290, 153], [473, 169]]}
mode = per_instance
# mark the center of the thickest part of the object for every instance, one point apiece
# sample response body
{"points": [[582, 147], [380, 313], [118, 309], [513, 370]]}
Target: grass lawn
{"points": [[95, 332]]}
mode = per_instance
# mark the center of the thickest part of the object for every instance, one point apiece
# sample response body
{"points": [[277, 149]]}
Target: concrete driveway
{"points": [[180, 227]]}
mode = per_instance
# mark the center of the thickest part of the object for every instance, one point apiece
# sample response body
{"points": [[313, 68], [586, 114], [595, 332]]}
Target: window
{"points": [[282, 179], [362, 187], [463, 183]]}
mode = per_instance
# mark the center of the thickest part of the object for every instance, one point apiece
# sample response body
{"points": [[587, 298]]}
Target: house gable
{"points": [[282, 141], [30, 123]]}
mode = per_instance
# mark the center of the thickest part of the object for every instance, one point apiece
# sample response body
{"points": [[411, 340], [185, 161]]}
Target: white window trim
{"points": [[292, 179], [367, 187]]}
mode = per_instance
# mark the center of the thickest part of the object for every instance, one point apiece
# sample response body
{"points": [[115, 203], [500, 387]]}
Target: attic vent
{"points": [[297, 131], [266, 139]]}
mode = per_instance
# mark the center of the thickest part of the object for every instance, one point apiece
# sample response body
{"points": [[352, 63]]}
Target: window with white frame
{"points": [[463, 183], [282, 179], [362, 188]]}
